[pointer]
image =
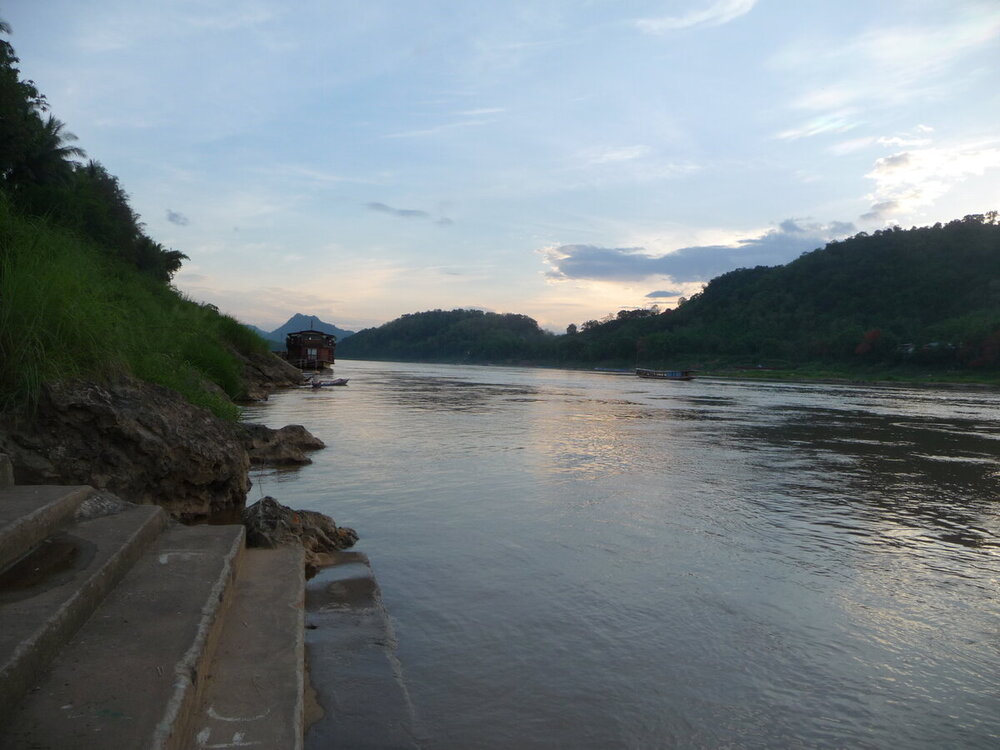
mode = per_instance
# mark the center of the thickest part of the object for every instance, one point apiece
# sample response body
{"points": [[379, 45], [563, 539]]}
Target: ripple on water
{"points": [[577, 560]]}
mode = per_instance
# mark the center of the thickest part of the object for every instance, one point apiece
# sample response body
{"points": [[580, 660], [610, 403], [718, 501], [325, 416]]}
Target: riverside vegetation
{"points": [[923, 302], [108, 375], [84, 292]]}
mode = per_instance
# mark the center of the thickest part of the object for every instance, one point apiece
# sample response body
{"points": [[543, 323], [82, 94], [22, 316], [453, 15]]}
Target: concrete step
{"points": [[254, 690], [29, 513], [352, 661], [48, 595], [131, 675]]}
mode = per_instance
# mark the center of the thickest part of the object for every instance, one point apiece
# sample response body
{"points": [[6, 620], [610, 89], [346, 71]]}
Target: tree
{"points": [[48, 156], [20, 104], [571, 329]]}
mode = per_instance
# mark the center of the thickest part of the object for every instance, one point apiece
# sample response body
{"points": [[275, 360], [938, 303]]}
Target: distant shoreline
{"points": [[884, 378]]}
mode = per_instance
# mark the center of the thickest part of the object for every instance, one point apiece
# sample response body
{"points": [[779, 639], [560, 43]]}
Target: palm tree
{"points": [[48, 155]]}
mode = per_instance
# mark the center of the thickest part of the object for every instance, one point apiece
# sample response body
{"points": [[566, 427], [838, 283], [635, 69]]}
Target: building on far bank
{"points": [[310, 350]]}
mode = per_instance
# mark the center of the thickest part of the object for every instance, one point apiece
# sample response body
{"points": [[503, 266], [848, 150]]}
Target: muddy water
{"points": [[586, 560]]}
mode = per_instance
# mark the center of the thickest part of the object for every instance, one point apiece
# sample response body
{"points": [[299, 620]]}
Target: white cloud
{"points": [[437, 129], [855, 144], [619, 154], [884, 67], [482, 111], [912, 179], [714, 14], [833, 122]]}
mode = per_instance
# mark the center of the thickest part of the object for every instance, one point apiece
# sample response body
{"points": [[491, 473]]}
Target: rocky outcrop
{"points": [[270, 524], [141, 441], [262, 373], [282, 447]]}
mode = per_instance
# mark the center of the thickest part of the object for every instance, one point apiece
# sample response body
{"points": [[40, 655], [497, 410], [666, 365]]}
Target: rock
{"points": [[262, 373], [100, 504], [143, 442], [281, 447], [270, 524]]}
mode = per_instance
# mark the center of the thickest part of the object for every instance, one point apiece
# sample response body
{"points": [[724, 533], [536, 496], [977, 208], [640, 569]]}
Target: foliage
{"points": [[39, 174], [83, 289], [68, 310], [927, 297], [449, 335]]}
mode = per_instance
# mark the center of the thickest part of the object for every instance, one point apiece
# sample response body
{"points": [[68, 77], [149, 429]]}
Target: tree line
{"points": [[927, 296], [84, 291], [44, 174]]}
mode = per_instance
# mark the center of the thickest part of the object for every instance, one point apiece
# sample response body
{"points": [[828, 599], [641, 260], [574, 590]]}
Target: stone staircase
{"points": [[121, 629]]}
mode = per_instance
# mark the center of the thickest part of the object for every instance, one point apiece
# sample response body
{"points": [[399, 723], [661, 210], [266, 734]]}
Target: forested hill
{"points": [[84, 290], [452, 335], [927, 296]]}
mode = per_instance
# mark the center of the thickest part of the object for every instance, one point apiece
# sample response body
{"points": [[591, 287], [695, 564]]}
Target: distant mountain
{"points": [[258, 331], [300, 322]]}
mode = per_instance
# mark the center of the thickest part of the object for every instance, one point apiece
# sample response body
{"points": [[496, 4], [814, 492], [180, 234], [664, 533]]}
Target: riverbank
{"points": [[88, 562]]}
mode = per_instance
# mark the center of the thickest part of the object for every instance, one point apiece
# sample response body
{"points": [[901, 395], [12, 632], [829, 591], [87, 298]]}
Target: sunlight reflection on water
{"points": [[583, 560]]}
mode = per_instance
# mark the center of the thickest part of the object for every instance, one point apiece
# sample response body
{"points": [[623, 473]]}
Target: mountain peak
{"points": [[303, 322]]}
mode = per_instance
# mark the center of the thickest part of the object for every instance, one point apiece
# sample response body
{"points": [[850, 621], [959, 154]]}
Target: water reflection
{"points": [[451, 394], [919, 473], [588, 561]]}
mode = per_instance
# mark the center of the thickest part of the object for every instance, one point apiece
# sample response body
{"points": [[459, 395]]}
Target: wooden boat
{"points": [[323, 383], [665, 374]]}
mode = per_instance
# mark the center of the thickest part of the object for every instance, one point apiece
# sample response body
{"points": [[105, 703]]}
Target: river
{"points": [[589, 560]]}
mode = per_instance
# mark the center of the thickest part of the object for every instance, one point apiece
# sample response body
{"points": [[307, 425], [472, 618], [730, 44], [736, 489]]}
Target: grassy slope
{"points": [[67, 310]]}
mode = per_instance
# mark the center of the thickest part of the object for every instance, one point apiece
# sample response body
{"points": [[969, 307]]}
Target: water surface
{"points": [[588, 560]]}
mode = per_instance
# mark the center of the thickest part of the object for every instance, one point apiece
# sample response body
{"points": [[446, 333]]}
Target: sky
{"points": [[563, 159]]}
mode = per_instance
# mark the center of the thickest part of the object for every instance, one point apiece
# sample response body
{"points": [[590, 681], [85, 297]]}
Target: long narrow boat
{"points": [[322, 383], [665, 374]]}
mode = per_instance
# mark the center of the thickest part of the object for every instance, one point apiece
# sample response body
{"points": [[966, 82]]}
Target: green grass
{"points": [[67, 310]]}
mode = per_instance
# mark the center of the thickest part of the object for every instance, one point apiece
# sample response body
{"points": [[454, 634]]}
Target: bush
{"points": [[69, 310]]}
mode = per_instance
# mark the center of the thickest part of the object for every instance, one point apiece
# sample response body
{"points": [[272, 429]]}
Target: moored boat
{"points": [[335, 381], [665, 374]]}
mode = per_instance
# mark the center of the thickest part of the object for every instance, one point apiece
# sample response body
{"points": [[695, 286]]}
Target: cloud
{"points": [[175, 217], [698, 263], [883, 67], [908, 180], [615, 154], [882, 211], [437, 129], [714, 14], [482, 111], [408, 213], [662, 294], [839, 121]]}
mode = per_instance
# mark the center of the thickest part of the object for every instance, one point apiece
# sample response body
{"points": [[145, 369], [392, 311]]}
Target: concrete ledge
{"points": [[144, 648], [254, 691], [358, 679], [29, 513], [35, 622]]}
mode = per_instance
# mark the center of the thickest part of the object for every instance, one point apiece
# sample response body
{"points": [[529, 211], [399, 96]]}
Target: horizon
{"points": [[561, 161]]}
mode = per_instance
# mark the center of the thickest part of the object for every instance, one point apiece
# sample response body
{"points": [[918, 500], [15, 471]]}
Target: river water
{"points": [[589, 560]]}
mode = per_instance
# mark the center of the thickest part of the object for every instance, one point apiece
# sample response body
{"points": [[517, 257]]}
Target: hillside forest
{"points": [[925, 297], [84, 290]]}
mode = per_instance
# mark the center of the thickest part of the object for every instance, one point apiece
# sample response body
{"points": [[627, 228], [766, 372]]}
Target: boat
{"points": [[665, 374], [310, 349], [323, 383]]}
